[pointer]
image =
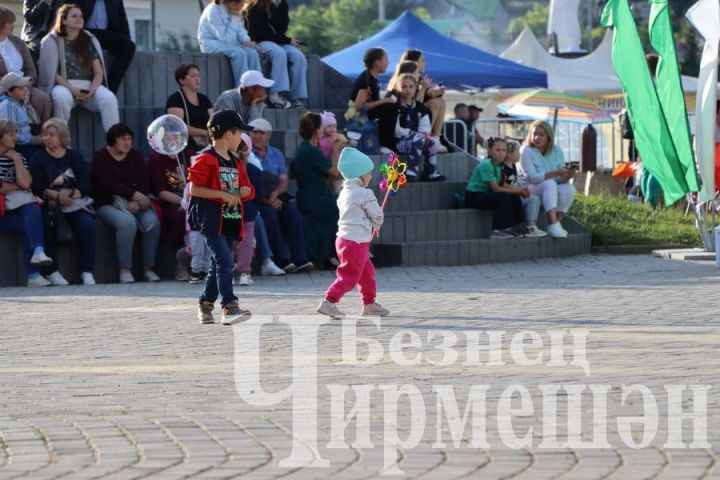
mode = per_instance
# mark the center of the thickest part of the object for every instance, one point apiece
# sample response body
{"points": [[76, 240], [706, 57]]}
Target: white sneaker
{"points": [[500, 235], [245, 280], [151, 276], [330, 309], [38, 281], [127, 277], [41, 260], [87, 278], [535, 232], [556, 231], [563, 229], [270, 269], [57, 279]]}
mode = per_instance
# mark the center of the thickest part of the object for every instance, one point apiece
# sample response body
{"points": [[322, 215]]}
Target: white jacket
{"points": [[217, 25], [359, 212]]}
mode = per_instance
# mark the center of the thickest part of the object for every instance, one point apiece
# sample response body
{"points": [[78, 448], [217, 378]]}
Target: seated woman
{"points": [[14, 106], [543, 171], [267, 21], [192, 106], [22, 217], [315, 199], [430, 93], [72, 69], [15, 57], [366, 94], [221, 30], [412, 133], [120, 189], [60, 175], [402, 68], [486, 190]]}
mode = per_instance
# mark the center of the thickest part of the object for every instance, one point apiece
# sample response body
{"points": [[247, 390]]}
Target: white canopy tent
{"points": [[592, 74]]}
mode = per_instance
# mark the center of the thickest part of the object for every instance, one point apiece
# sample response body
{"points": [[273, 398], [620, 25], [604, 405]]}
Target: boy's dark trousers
{"points": [[219, 281]]}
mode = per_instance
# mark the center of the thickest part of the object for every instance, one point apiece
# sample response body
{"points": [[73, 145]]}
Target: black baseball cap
{"points": [[226, 120]]}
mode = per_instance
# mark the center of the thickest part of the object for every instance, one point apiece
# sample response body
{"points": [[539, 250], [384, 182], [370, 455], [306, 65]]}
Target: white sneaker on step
{"points": [[38, 281], [126, 277], [269, 268], [57, 279], [556, 231], [40, 259], [151, 276], [245, 280], [87, 278]]}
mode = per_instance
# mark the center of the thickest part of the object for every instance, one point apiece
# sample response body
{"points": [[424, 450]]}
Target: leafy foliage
{"points": [[331, 25], [615, 221]]}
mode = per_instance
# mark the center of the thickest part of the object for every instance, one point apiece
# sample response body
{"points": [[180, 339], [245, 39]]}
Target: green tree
{"points": [[536, 18], [331, 25]]}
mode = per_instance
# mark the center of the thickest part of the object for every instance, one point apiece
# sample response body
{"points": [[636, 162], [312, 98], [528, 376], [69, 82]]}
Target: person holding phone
{"points": [[267, 23], [543, 171]]}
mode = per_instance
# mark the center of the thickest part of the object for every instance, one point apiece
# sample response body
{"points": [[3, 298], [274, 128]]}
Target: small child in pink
{"points": [[360, 213], [330, 135]]}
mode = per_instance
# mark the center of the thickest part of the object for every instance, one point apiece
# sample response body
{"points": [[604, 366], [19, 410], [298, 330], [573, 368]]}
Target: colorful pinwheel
{"points": [[393, 171]]}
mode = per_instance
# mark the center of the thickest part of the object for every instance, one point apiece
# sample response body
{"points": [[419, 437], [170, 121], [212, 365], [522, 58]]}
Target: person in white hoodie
{"points": [[221, 30], [360, 214]]}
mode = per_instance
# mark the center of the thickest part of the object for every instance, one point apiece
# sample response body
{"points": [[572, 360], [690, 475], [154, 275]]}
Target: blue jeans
{"points": [[126, 226], [262, 244], [83, 223], [288, 222], [241, 58], [25, 222], [294, 80], [219, 280]]}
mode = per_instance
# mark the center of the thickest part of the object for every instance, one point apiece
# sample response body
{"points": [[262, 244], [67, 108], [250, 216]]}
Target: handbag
{"points": [[198, 139], [60, 228], [18, 198], [363, 133]]}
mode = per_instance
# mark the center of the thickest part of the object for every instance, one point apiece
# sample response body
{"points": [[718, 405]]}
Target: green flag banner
{"points": [[652, 137], [670, 91]]}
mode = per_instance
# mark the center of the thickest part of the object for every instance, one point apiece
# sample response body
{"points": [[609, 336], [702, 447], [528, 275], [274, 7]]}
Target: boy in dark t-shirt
{"points": [[218, 183]]}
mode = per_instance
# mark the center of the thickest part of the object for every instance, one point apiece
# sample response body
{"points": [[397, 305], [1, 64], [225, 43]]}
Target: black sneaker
{"points": [[433, 176], [197, 277]]}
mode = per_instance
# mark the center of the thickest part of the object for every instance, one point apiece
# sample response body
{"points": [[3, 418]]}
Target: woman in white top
{"points": [[543, 171], [221, 29], [72, 69]]}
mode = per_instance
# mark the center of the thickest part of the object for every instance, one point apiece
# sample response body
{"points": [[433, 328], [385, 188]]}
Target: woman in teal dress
{"points": [[315, 199]]}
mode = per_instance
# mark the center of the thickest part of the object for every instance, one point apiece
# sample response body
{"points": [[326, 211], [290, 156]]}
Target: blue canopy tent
{"points": [[447, 61]]}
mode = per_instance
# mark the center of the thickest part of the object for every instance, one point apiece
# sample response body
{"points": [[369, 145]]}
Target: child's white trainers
{"points": [[374, 310], [330, 309]]}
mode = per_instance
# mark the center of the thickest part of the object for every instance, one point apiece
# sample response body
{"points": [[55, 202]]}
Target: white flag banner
{"points": [[563, 22], [705, 17]]}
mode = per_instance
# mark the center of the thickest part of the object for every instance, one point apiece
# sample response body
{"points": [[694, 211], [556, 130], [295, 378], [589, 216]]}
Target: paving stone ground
{"points": [[122, 382]]}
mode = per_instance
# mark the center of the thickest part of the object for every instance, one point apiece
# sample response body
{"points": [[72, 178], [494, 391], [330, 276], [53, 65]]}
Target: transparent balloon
{"points": [[167, 135]]}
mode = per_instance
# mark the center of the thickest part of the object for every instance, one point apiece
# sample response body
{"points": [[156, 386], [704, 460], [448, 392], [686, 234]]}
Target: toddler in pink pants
{"points": [[360, 213]]}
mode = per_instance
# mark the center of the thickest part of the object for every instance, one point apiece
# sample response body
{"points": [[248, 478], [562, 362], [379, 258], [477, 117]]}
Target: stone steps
{"points": [[432, 225], [454, 252]]}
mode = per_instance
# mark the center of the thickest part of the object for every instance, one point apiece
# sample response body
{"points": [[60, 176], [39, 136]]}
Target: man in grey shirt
{"points": [[248, 99]]}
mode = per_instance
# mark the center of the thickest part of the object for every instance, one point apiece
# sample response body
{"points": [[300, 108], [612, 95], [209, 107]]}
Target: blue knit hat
{"points": [[353, 163]]}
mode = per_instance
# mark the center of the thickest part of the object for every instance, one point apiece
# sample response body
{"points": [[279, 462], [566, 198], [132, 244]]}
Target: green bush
{"points": [[615, 221]]}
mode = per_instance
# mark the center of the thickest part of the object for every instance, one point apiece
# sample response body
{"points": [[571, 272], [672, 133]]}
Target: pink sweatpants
{"points": [[245, 249], [355, 269]]}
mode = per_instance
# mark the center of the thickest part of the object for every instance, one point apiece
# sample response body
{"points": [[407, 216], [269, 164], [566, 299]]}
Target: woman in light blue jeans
{"points": [[267, 22], [221, 30]]}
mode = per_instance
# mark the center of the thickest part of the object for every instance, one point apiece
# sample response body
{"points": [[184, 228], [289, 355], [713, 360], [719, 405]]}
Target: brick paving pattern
{"points": [[122, 382]]}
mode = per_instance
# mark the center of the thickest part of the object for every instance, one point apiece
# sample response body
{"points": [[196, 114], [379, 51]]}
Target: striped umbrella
{"points": [[545, 105]]}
